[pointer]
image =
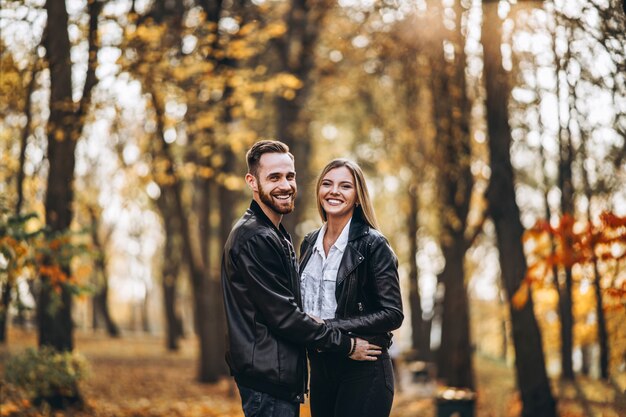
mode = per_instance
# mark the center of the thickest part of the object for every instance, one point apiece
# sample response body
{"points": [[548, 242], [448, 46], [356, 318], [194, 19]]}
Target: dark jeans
{"points": [[260, 404], [341, 387]]}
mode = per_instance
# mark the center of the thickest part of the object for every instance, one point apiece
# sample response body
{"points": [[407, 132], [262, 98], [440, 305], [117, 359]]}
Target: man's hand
{"points": [[364, 351], [317, 319]]}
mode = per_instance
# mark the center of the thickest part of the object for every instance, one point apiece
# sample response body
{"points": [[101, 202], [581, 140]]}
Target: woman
{"points": [[349, 278]]}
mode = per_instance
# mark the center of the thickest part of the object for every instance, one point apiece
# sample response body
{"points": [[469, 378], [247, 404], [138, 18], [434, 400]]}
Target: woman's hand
{"points": [[364, 351]]}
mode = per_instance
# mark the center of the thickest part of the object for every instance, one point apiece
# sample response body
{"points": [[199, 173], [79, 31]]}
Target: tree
{"points": [[532, 379], [100, 309], [296, 51], [29, 76], [171, 268], [451, 108], [64, 128]]}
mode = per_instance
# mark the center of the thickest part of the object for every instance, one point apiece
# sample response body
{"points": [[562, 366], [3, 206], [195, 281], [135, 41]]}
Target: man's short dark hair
{"points": [[253, 156]]}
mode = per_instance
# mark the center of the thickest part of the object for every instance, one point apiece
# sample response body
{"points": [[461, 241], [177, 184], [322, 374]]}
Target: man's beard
{"points": [[285, 208]]}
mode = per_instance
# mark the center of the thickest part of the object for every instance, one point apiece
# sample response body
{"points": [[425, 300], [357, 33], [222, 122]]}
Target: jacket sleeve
{"points": [[268, 281], [385, 312]]}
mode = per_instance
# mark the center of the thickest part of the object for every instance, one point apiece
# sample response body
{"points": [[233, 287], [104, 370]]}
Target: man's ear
{"points": [[251, 181]]}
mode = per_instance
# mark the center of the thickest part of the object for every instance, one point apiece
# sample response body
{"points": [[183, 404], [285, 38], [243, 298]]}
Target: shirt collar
{"points": [[340, 243]]}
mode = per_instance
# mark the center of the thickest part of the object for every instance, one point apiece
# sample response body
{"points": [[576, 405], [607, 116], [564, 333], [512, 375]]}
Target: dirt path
{"points": [[135, 376]]}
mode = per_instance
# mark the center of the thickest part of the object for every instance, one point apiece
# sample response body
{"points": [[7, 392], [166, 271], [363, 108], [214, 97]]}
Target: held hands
{"points": [[362, 350]]}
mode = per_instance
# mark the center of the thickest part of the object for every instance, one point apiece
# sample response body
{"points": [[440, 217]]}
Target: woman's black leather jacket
{"points": [[369, 304]]}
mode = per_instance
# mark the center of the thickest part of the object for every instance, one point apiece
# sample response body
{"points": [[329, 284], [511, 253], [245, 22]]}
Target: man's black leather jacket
{"points": [[369, 304], [267, 329]]}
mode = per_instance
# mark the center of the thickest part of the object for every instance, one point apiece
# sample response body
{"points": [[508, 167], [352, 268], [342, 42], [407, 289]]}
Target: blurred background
{"points": [[492, 135]]}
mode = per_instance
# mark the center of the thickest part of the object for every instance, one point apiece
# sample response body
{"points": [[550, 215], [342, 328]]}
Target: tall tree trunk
{"points": [[170, 270], [64, 128], [603, 338], [145, 313], [532, 379], [420, 340], [565, 288], [453, 155], [600, 317], [101, 297], [564, 181], [297, 56], [227, 202], [454, 359], [26, 131], [213, 318], [101, 309], [415, 76], [5, 298], [208, 369]]}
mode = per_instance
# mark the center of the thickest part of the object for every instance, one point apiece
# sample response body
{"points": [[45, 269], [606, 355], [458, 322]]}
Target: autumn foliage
{"points": [[578, 245], [29, 252]]}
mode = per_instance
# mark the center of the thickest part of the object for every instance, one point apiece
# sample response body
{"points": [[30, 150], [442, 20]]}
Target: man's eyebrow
{"points": [[271, 174]]}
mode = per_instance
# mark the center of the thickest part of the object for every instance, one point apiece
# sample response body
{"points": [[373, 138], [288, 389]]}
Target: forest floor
{"points": [[135, 376]]}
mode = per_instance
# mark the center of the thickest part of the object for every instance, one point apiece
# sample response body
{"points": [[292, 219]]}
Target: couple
{"points": [[339, 303]]}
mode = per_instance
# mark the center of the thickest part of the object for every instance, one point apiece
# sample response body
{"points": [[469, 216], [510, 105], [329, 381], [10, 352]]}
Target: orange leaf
{"points": [[520, 298]]}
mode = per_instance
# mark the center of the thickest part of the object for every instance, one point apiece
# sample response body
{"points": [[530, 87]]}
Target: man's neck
{"points": [[271, 214]]}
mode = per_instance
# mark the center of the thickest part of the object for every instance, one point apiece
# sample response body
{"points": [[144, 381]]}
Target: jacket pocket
{"points": [[288, 372], [265, 358]]}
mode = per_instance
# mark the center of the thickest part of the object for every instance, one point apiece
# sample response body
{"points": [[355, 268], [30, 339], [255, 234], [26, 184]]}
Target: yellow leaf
{"points": [[233, 183], [205, 172], [289, 95], [276, 29]]}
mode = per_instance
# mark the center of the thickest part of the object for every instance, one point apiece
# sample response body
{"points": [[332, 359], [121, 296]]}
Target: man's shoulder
{"points": [[250, 227]]}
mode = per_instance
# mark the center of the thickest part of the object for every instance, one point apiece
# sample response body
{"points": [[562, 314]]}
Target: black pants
{"points": [[342, 387]]}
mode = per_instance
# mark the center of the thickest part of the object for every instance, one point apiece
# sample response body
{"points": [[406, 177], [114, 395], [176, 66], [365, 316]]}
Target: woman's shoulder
{"points": [[309, 239], [374, 236], [311, 236]]}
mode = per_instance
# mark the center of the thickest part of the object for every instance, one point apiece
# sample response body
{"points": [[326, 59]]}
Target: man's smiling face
{"points": [[276, 182]]}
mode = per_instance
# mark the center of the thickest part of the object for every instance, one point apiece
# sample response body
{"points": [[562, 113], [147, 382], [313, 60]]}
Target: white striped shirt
{"points": [[319, 278]]}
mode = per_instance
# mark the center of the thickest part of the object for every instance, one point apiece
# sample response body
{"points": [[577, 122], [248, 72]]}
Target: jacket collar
{"points": [[256, 209], [340, 243], [358, 228]]}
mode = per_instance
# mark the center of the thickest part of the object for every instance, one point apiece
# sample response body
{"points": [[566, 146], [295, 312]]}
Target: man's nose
{"points": [[284, 183]]}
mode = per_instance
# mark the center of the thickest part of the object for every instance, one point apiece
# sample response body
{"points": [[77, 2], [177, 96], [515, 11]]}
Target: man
{"points": [[267, 329]]}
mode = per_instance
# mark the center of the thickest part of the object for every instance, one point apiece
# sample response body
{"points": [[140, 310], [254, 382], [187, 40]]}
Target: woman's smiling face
{"points": [[337, 193]]}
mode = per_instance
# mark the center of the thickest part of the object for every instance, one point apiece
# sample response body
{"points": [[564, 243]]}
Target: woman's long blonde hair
{"points": [[364, 203]]}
